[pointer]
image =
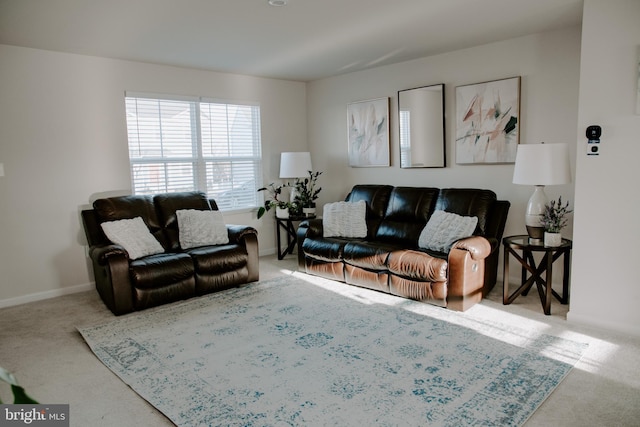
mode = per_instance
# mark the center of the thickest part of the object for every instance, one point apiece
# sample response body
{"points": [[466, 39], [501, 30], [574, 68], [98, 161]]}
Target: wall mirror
{"points": [[421, 119]]}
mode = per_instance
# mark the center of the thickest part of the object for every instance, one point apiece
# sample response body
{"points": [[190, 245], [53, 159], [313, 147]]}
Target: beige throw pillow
{"points": [[444, 228], [133, 235], [345, 219], [201, 228]]}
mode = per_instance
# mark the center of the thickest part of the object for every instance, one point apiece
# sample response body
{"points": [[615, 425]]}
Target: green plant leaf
{"points": [[20, 396], [7, 377]]}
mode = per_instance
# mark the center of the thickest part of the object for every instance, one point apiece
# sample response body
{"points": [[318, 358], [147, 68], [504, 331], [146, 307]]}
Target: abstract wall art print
{"points": [[488, 121], [368, 133], [638, 82]]}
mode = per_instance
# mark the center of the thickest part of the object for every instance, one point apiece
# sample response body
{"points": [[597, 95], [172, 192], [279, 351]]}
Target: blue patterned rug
{"points": [[307, 351]]}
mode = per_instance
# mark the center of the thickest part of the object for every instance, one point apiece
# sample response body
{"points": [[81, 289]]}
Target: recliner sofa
{"points": [[126, 285], [389, 258]]}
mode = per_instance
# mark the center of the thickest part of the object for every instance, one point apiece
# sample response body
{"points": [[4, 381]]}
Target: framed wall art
{"points": [[488, 121], [638, 82], [368, 133]]}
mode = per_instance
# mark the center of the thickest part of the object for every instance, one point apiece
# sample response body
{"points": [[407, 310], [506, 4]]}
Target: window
{"points": [[405, 138], [194, 144]]}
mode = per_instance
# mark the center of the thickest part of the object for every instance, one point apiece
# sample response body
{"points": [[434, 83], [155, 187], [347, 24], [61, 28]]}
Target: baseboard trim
{"points": [[269, 251], [39, 296]]}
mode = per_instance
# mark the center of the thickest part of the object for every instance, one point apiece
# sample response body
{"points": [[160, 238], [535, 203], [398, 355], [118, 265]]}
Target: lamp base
{"points": [[533, 215], [536, 235]]}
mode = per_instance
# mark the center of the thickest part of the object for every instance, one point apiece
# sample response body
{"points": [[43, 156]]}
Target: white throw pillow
{"points": [[444, 229], [201, 228], [345, 219], [133, 235]]}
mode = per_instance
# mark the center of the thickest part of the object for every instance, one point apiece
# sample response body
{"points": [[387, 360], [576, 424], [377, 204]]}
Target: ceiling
{"points": [[304, 40]]}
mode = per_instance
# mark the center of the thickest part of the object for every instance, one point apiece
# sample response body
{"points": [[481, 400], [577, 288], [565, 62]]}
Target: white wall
{"points": [[549, 64], [605, 279], [63, 143]]}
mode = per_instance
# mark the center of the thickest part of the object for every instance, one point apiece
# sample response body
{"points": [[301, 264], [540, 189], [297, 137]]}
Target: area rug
{"points": [[307, 351]]}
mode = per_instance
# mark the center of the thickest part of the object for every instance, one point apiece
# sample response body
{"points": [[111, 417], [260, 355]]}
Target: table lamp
{"points": [[540, 165], [295, 165]]}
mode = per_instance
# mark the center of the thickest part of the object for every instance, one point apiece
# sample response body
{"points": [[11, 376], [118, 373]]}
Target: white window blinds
{"points": [[185, 145], [405, 138]]}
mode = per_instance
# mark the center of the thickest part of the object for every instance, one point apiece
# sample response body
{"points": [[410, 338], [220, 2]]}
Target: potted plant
{"points": [[554, 219], [282, 207], [307, 193]]}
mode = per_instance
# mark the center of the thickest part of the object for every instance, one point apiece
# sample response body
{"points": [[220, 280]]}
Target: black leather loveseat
{"points": [[389, 258], [127, 284]]}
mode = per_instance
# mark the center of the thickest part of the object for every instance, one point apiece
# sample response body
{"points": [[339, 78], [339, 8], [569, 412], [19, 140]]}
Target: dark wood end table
{"points": [[532, 273], [289, 228]]}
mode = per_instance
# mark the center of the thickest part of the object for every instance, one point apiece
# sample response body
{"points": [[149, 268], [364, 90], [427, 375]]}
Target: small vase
{"points": [[309, 212], [282, 213], [552, 239]]}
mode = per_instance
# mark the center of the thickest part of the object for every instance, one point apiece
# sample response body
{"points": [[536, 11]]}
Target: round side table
{"points": [[532, 273]]}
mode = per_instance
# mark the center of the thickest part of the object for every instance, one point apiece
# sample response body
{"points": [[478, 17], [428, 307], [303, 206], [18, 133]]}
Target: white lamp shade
{"points": [[542, 164], [295, 164]]}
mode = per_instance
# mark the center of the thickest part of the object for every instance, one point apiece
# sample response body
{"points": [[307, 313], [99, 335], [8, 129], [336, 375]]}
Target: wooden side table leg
{"points": [[523, 273], [565, 277], [528, 256], [278, 225], [549, 291], [505, 276]]}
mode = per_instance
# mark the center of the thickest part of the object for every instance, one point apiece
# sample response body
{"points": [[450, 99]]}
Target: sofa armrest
{"points": [[103, 253], [307, 228], [247, 236], [111, 271], [466, 272], [478, 247], [239, 232], [310, 228]]}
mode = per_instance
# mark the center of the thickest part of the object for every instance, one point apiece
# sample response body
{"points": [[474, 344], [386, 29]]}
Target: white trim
{"points": [[39, 296], [189, 98], [161, 96], [269, 251]]}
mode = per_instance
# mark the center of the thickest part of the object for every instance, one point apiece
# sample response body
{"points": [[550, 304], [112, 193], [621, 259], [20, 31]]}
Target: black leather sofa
{"points": [[389, 258], [127, 285]]}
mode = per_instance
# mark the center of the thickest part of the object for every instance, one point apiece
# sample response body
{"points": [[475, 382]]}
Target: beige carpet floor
{"points": [[39, 343]]}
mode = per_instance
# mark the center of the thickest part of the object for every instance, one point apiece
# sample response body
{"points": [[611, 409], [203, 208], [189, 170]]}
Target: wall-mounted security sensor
{"points": [[593, 140]]}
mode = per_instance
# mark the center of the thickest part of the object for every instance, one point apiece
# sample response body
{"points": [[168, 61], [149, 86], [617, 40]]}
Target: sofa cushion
{"points": [[417, 266], [168, 204], [377, 198], [326, 250], [127, 207], [133, 235], [201, 228], [161, 270], [218, 259], [407, 213], [444, 228], [468, 202], [368, 255], [345, 219]]}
